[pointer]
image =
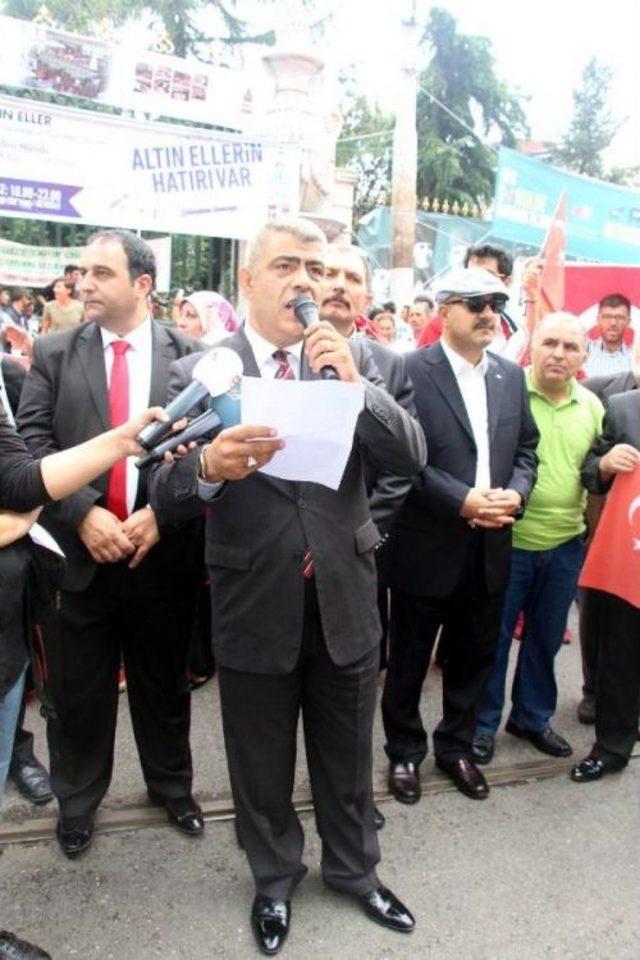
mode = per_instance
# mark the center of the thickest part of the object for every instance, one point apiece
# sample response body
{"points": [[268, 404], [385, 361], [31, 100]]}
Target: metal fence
{"points": [[197, 263]]}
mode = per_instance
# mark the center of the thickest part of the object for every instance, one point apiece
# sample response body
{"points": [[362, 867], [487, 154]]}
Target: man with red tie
{"points": [[129, 588]]}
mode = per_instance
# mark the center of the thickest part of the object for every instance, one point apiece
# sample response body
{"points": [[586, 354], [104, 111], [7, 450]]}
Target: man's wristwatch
{"points": [[202, 465]]}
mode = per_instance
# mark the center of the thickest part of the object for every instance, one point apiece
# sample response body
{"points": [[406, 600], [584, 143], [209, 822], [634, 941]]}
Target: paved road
{"points": [[541, 870]]}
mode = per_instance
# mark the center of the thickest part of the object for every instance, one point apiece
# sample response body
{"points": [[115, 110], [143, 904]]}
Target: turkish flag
{"points": [[552, 254], [613, 560]]}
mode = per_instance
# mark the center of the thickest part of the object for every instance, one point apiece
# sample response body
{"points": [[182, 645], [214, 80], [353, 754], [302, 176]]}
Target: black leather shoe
{"points": [[483, 748], [593, 768], [546, 741], [587, 710], [270, 921], [13, 949], [466, 777], [74, 840], [32, 780], [404, 782], [378, 819], [183, 812], [381, 905]]}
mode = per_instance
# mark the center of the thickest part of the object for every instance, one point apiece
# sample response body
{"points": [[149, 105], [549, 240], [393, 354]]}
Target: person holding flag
{"points": [[612, 569]]}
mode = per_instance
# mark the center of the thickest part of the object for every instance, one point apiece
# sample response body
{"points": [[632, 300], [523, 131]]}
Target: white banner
{"points": [[57, 163], [24, 266], [41, 58]]}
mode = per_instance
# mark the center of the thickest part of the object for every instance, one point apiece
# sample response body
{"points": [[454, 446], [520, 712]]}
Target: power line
{"points": [[458, 119]]}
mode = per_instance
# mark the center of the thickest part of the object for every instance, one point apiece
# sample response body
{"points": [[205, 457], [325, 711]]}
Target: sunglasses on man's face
{"points": [[477, 304]]}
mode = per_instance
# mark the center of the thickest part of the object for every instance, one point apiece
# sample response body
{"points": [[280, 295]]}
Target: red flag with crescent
{"points": [[613, 561]]}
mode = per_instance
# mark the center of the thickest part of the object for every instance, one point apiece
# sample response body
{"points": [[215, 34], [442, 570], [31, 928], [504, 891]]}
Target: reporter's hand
{"points": [[325, 347], [623, 458], [127, 433], [102, 534], [237, 452], [141, 529]]}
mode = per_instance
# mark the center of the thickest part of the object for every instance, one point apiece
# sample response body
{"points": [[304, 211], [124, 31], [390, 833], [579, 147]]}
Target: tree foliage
{"points": [[458, 83], [181, 19], [365, 146], [592, 126], [454, 158]]}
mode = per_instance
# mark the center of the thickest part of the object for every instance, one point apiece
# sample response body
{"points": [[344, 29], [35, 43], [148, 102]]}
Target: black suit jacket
{"points": [[607, 386], [621, 425], [64, 402], [430, 540], [387, 491], [14, 376], [259, 529]]}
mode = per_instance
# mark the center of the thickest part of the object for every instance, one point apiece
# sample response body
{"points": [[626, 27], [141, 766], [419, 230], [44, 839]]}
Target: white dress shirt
{"points": [[139, 361], [263, 352], [471, 381]]}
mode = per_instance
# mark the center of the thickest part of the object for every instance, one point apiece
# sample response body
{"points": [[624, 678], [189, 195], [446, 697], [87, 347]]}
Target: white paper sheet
{"points": [[315, 418], [43, 538]]}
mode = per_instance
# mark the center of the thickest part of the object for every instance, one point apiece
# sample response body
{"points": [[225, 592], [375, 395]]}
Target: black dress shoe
{"points": [[74, 840], [378, 819], [381, 905], [13, 949], [466, 777], [270, 921], [593, 768], [32, 780], [587, 710], [404, 782], [546, 741], [483, 747], [183, 812]]}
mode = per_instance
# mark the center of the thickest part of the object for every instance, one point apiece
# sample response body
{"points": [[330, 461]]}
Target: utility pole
{"points": [[405, 163]]}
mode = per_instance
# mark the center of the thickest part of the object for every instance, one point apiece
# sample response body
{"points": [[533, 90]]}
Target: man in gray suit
{"points": [[294, 617]]}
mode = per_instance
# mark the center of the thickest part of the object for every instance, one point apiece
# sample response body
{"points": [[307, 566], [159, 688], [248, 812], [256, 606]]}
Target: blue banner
{"points": [[603, 220]]}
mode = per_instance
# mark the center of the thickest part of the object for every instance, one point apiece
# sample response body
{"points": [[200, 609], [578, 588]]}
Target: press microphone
{"points": [[197, 428], [214, 374], [306, 311]]}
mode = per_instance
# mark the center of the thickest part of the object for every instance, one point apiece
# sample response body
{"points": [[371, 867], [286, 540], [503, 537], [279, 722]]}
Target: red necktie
{"points": [[285, 372], [118, 414]]}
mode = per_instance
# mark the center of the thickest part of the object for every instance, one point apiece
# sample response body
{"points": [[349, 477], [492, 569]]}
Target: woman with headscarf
{"points": [[207, 316]]}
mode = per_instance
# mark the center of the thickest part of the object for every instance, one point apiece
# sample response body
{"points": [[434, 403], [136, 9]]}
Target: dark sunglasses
{"points": [[477, 304]]}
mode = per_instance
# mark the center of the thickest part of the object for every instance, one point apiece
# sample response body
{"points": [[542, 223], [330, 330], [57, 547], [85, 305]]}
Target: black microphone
{"points": [[306, 311], [214, 374], [197, 428]]}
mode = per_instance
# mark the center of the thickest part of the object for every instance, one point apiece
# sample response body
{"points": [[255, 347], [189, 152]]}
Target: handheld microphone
{"points": [[306, 311], [215, 373], [199, 427]]}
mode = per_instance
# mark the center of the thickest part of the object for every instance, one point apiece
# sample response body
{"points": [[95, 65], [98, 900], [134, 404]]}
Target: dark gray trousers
{"points": [[260, 715]]}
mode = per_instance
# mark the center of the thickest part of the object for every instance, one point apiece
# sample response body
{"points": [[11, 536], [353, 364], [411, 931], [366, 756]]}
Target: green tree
{"points": [[462, 105], [365, 147], [592, 127], [180, 18]]}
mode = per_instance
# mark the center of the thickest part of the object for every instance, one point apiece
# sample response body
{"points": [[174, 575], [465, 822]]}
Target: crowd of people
{"points": [[461, 509]]}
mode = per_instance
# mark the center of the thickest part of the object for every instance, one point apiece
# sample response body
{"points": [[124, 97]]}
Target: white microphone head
{"points": [[218, 370]]}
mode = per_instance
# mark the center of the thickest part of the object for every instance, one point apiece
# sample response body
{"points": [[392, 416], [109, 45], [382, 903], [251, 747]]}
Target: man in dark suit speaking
{"points": [[294, 617], [451, 544]]}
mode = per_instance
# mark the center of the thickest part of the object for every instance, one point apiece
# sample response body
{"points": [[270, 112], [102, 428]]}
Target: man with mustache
{"points": [[548, 542], [451, 543]]}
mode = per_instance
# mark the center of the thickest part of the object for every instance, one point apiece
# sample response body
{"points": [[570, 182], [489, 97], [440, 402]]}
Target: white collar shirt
{"points": [[139, 362], [472, 384], [263, 352]]}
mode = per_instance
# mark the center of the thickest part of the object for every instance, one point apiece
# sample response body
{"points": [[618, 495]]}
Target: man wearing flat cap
{"points": [[451, 545]]}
